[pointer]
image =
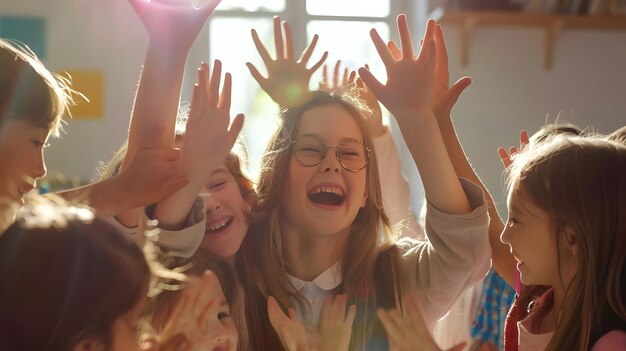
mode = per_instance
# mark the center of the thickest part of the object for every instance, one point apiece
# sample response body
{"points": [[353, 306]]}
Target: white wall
{"points": [[92, 35], [511, 88]]}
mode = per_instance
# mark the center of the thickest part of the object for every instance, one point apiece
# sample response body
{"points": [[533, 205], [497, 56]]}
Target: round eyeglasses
{"points": [[310, 150]]}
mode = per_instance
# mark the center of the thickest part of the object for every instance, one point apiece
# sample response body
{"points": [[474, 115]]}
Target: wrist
{"points": [[414, 117], [106, 197], [117, 188], [445, 122], [199, 175]]}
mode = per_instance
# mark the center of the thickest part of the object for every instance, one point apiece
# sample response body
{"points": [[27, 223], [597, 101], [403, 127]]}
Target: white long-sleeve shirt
{"points": [[395, 188], [456, 256]]}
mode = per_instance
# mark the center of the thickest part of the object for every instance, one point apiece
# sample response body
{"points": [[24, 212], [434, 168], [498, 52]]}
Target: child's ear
{"points": [[571, 240]]}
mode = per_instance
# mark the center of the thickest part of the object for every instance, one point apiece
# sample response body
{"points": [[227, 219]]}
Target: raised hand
{"points": [[173, 22], [409, 91], [409, 95], [293, 335], [374, 123], [151, 175], [506, 157], [287, 81], [445, 96], [409, 333], [340, 81], [206, 144], [191, 315], [172, 26], [335, 324], [347, 81], [208, 140]]}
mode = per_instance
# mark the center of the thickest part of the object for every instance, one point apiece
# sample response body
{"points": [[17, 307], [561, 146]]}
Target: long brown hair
{"points": [[530, 293], [260, 261], [580, 183]]}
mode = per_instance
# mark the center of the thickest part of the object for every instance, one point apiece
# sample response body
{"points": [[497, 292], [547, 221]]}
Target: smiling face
{"points": [[226, 224], [532, 240], [21, 157], [325, 198]]}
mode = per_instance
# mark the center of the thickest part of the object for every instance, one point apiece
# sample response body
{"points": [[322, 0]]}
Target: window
{"points": [[252, 5], [348, 8]]}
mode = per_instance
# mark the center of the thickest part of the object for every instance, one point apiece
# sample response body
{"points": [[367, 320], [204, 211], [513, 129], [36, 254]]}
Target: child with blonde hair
{"points": [[33, 103]]}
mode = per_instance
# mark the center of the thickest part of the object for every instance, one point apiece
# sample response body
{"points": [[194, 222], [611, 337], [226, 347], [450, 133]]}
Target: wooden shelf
{"points": [[552, 24]]}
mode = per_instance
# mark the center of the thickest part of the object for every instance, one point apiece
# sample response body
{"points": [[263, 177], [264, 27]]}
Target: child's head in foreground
{"points": [[70, 281]]}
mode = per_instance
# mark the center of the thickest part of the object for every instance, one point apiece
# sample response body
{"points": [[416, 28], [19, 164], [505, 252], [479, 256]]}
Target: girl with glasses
{"points": [[320, 229]]}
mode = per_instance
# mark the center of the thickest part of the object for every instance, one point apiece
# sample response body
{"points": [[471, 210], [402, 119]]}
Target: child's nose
{"points": [[330, 163], [504, 237], [40, 167], [210, 202], [220, 334]]}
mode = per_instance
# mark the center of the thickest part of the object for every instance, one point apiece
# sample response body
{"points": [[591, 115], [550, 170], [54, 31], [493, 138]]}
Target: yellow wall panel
{"points": [[90, 84]]}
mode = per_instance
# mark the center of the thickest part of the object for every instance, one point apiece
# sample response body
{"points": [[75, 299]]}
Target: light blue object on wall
{"points": [[28, 30]]}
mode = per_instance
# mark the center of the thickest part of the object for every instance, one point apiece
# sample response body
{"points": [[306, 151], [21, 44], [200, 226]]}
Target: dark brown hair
{"points": [[66, 277]]}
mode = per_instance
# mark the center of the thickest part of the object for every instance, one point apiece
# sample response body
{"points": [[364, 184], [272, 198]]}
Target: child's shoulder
{"points": [[611, 341]]}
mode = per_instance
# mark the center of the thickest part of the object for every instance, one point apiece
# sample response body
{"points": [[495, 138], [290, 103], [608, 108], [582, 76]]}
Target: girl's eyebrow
{"points": [[324, 139], [217, 171]]}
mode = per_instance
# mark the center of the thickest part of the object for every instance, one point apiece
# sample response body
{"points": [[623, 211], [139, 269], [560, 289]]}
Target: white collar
{"points": [[328, 280]]}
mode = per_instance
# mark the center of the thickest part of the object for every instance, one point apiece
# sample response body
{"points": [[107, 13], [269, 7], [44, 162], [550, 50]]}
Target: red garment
{"points": [[510, 325]]}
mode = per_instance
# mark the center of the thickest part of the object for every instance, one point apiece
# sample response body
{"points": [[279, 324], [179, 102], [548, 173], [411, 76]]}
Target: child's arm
{"points": [[206, 145], [287, 81], [150, 176], [393, 185], [409, 95], [172, 29], [445, 98], [457, 253]]}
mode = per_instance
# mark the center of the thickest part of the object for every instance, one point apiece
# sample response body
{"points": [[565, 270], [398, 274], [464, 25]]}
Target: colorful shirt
{"points": [[495, 300]]}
